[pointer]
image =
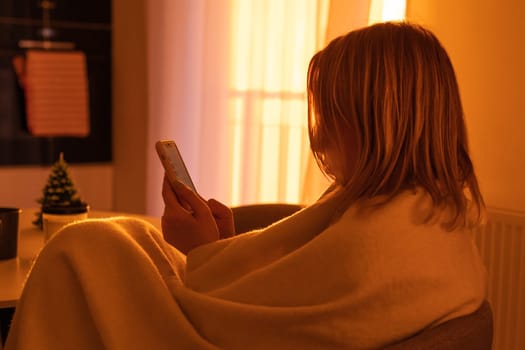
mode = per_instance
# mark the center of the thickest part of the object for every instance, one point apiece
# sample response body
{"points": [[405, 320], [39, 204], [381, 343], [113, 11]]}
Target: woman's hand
{"points": [[223, 218], [188, 221]]}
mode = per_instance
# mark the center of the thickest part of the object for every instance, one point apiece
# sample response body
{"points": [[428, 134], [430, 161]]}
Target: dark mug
{"points": [[9, 232]]}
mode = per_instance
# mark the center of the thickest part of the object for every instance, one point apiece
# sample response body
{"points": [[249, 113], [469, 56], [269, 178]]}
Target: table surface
{"points": [[13, 272]]}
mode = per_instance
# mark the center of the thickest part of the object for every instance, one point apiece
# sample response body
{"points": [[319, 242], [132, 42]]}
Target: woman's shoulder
{"points": [[410, 207], [402, 230]]}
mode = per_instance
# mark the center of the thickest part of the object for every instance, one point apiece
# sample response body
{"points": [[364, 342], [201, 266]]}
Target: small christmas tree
{"points": [[59, 190]]}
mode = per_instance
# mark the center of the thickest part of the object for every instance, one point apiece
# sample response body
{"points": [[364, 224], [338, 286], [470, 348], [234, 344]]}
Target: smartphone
{"points": [[174, 166]]}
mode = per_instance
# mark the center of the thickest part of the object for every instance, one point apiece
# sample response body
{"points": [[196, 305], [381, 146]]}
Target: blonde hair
{"points": [[385, 98]]}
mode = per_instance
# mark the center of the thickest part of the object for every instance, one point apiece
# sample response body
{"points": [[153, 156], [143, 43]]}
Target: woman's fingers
{"points": [[171, 200], [223, 218], [187, 221], [188, 198]]}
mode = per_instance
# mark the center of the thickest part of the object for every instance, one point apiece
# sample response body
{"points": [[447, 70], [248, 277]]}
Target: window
{"points": [[272, 42]]}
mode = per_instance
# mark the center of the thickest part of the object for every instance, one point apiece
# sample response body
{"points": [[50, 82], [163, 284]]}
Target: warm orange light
{"points": [[387, 10], [272, 42]]}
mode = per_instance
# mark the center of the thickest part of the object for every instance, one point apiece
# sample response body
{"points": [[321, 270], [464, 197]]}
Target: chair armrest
{"points": [[469, 332]]}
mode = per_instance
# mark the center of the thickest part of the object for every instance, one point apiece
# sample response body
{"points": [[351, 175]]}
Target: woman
{"points": [[383, 254]]}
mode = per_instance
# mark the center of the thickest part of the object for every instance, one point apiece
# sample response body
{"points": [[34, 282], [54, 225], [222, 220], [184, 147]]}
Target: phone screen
{"points": [[170, 157]]}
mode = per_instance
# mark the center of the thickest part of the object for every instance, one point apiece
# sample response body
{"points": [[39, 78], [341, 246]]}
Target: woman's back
{"points": [[365, 281]]}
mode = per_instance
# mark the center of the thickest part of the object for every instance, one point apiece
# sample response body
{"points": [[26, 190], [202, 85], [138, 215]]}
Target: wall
{"points": [[485, 40], [130, 108]]}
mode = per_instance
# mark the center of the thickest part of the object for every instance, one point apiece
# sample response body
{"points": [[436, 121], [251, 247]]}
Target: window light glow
{"points": [[386, 10], [272, 42]]}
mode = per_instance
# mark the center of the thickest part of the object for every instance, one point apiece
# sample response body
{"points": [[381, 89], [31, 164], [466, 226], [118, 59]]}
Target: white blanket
{"points": [[363, 282]]}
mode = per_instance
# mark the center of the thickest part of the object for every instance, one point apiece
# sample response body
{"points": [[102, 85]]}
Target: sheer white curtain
{"points": [[188, 43], [272, 43], [227, 82]]}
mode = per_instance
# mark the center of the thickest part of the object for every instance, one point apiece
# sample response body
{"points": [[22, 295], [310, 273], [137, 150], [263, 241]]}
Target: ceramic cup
{"points": [[9, 218], [54, 218]]}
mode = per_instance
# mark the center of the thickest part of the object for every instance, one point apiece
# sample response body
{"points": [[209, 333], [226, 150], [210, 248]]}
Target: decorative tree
{"points": [[59, 190]]}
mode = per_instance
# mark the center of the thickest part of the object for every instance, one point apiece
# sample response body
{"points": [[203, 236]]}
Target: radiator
{"points": [[501, 244]]}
